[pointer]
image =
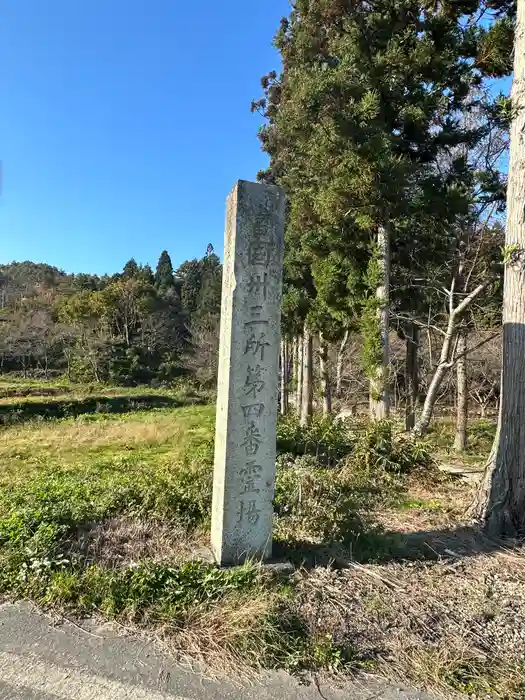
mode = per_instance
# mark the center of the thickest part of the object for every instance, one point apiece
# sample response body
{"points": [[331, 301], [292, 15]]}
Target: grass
{"points": [[481, 434], [14, 386], [30, 402], [108, 514]]}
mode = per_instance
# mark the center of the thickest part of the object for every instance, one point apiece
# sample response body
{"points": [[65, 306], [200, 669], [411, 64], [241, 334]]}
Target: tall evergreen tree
{"points": [[200, 283], [131, 269], [189, 275], [367, 101], [164, 280]]}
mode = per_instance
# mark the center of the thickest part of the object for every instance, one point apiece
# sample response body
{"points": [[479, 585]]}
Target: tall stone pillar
{"points": [[245, 436]]}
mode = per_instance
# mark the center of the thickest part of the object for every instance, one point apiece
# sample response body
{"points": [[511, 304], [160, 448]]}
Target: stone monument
{"points": [[245, 432]]}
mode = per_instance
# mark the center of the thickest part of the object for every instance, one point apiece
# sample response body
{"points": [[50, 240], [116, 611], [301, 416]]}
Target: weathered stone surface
{"points": [[244, 472]]}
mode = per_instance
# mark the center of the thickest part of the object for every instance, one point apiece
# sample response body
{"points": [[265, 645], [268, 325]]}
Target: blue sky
{"points": [[125, 123]]}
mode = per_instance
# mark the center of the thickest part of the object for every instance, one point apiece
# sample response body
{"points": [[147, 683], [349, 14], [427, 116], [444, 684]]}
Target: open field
{"points": [[108, 514], [28, 400]]}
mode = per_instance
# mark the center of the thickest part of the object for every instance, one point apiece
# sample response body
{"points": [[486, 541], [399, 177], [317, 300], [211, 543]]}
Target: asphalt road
{"points": [[40, 660]]}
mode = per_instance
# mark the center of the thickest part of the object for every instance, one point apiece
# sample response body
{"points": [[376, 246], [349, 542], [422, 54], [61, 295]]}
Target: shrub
{"points": [[327, 438], [321, 504], [380, 447]]}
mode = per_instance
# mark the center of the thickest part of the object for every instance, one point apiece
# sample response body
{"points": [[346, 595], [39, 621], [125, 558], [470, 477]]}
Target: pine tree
{"points": [[367, 102], [164, 280], [130, 269]]}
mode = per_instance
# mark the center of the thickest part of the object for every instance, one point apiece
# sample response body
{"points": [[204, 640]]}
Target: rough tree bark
{"points": [[501, 503], [339, 365], [325, 377], [299, 375], [460, 440], [306, 403], [412, 374], [379, 390]]}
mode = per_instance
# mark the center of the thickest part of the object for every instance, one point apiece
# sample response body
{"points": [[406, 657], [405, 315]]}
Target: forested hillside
{"points": [[134, 327]]}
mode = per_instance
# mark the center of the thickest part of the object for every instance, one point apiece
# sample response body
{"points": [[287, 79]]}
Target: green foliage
{"points": [[164, 592], [469, 677], [131, 269], [327, 654], [495, 48], [327, 438], [41, 516], [377, 118], [164, 280], [374, 447], [481, 434], [22, 411], [381, 447], [156, 468], [200, 285], [129, 328], [511, 254], [372, 352], [19, 277], [316, 500]]}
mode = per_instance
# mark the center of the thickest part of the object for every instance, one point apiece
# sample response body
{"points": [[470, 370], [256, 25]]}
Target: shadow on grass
{"points": [[19, 412], [20, 392], [372, 545]]}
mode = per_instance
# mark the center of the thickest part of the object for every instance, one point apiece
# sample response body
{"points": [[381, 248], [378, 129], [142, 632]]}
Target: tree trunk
{"points": [[306, 403], [325, 377], [339, 365], [412, 375], [443, 367], [460, 441], [379, 390], [502, 500], [294, 369], [299, 388], [288, 370], [446, 358], [284, 377]]}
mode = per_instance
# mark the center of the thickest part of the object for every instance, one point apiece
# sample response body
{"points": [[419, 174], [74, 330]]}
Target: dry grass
{"points": [[225, 637], [434, 502], [122, 542], [214, 635], [448, 616], [70, 442], [452, 623]]}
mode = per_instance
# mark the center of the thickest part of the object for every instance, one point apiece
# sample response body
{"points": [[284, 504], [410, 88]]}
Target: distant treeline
{"points": [[134, 327]]}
